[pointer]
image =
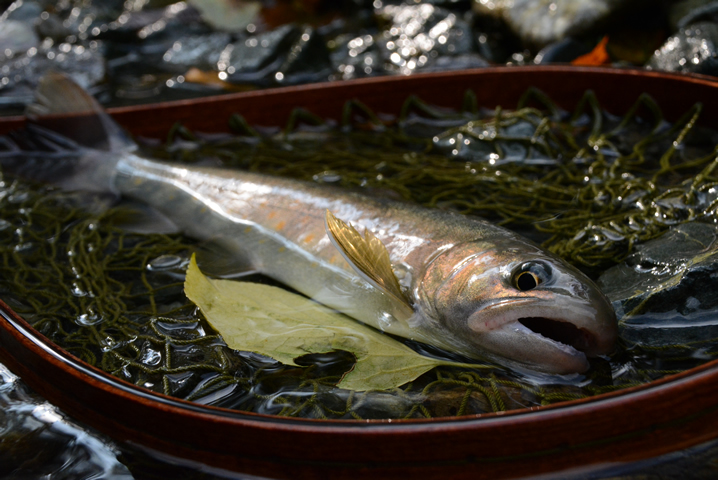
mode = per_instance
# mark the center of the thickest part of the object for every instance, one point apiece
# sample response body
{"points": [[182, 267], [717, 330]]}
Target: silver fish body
{"points": [[459, 273], [465, 285]]}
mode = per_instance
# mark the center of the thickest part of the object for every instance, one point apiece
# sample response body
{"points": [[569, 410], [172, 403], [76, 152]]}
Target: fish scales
{"points": [[279, 224], [448, 280]]}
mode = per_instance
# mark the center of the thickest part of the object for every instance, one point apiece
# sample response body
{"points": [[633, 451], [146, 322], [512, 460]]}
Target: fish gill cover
{"points": [[588, 185]]}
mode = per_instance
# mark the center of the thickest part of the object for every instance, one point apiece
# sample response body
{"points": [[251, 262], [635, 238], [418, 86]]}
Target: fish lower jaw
{"points": [[513, 343], [561, 355], [565, 347], [563, 334], [537, 340]]}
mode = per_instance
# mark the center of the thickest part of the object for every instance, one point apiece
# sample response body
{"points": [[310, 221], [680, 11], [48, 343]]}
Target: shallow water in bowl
{"points": [[110, 292]]}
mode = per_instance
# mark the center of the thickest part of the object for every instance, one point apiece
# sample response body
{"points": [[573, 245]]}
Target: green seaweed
{"points": [[588, 185]]}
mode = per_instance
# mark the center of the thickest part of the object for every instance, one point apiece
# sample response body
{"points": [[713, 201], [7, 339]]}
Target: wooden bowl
{"points": [[673, 413]]}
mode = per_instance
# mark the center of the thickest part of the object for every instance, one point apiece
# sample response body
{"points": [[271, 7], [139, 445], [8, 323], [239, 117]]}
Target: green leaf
{"points": [[283, 325]]}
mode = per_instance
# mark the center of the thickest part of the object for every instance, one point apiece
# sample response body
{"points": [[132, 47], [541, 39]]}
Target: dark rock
{"points": [[308, 59], [685, 13], [152, 23], [457, 62], [563, 51], [415, 35], [693, 49], [20, 75], [253, 59], [199, 51], [494, 40], [357, 56]]}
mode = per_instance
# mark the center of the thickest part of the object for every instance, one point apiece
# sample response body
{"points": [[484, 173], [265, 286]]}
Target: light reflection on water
{"points": [[37, 440]]}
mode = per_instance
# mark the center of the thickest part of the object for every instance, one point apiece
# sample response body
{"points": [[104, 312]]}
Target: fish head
{"points": [[513, 300]]}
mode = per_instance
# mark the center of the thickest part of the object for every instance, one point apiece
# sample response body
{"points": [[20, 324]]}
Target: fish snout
{"points": [[549, 330], [567, 307], [587, 310]]}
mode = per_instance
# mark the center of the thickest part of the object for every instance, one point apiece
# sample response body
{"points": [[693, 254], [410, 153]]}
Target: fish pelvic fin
{"points": [[369, 258], [62, 106]]}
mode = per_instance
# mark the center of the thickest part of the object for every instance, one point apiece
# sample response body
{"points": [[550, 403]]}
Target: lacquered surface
{"points": [[667, 415]]}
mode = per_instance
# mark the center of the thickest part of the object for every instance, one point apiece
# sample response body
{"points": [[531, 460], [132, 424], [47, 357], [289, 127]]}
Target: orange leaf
{"points": [[597, 56]]}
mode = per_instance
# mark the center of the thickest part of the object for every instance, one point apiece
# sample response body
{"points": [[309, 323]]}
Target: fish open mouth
{"points": [[562, 332]]}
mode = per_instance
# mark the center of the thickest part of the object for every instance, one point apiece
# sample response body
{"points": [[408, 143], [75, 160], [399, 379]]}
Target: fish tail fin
{"points": [[66, 140], [62, 106]]}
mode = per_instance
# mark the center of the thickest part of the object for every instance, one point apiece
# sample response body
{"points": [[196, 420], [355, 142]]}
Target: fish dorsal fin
{"points": [[369, 257], [63, 106]]}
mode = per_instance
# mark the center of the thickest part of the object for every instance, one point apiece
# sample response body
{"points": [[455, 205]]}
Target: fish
{"points": [[452, 281]]}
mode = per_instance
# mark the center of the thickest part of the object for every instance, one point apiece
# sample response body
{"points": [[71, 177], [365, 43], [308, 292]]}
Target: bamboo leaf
{"points": [[283, 325]]}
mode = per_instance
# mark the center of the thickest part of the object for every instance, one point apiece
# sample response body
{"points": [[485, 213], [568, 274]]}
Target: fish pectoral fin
{"points": [[368, 256]]}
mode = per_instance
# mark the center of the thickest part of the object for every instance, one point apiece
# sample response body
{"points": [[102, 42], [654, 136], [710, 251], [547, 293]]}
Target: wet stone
{"points": [[413, 36], [693, 49], [227, 396], [181, 383], [254, 58], [165, 262], [20, 75], [682, 14], [22, 11], [16, 37], [540, 22], [39, 441], [180, 330], [150, 356], [457, 62], [308, 59], [199, 51], [665, 293], [356, 57], [562, 51], [153, 23]]}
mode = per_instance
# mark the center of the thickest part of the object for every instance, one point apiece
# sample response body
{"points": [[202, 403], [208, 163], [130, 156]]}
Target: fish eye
{"points": [[527, 281], [531, 275]]}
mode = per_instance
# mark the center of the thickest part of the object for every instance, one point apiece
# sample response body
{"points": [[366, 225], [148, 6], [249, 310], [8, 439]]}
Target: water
{"points": [[87, 278], [37, 439]]}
